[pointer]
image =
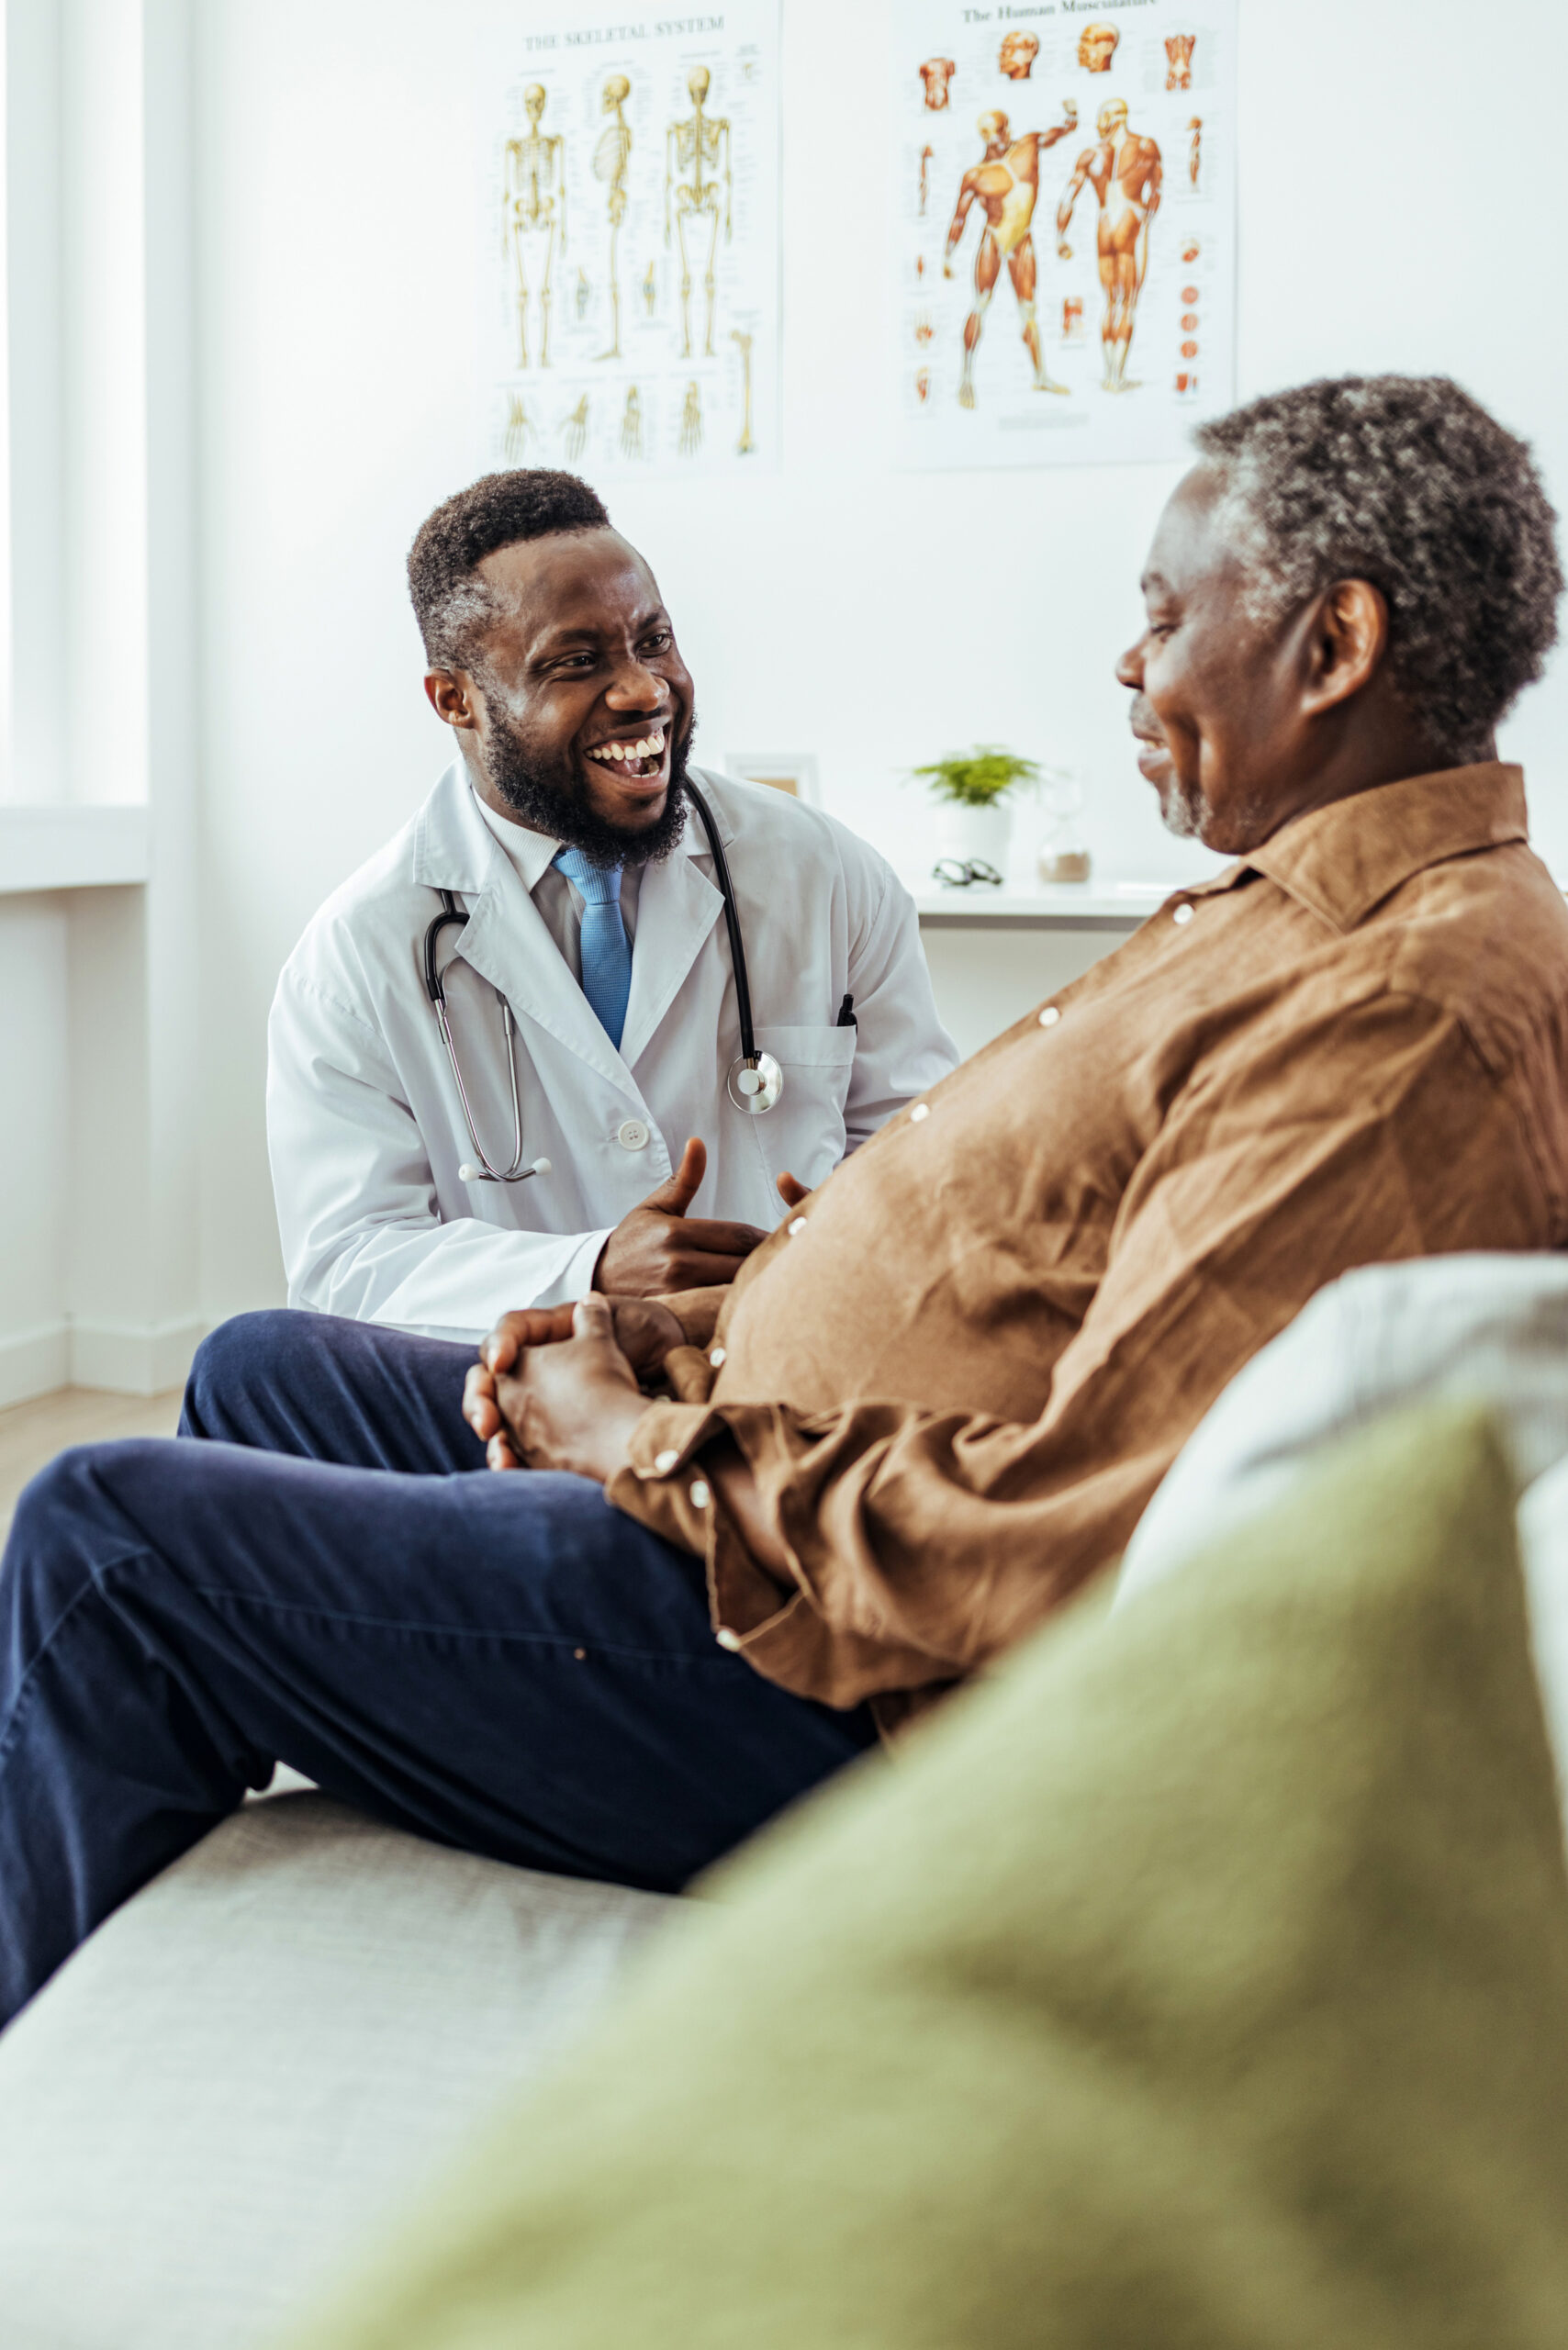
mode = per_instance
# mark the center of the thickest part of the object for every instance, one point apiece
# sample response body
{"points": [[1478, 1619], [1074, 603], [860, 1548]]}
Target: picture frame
{"points": [[794, 772]]}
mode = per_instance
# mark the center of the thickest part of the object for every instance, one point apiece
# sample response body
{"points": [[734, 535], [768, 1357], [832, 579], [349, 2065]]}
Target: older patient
{"points": [[938, 1398]]}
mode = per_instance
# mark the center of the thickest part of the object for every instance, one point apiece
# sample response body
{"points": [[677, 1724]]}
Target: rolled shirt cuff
{"points": [[779, 1629]]}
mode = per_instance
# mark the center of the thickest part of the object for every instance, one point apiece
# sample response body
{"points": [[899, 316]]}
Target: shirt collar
{"points": [[530, 852], [1341, 861]]}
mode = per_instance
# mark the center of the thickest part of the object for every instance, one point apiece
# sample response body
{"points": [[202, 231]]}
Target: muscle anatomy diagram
{"points": [[935, 76], [1118, 244], [1179, 48], [654, 145], [1123, 172], [1005, 185]]}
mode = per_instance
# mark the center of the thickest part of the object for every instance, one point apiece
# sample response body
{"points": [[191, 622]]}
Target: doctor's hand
{"points": [[572, 1403], [658, 1248]]}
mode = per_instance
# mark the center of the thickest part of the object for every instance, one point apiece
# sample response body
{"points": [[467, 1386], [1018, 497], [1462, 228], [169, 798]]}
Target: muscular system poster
{"points": [[1064, 227], [629, 238]]}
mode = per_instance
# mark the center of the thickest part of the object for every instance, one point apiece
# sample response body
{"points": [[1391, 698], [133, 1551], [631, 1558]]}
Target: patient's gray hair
{"points": [[1409, 483]]}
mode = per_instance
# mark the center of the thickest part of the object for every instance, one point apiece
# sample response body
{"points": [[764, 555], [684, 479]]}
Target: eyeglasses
{"points": [[954, 874]]}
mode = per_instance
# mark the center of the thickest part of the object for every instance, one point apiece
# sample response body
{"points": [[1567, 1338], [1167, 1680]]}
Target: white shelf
{"points": [[70, 848], [978, 906]]}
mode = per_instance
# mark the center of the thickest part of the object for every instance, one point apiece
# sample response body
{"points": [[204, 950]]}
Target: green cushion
{"points": [[1201, 1981]]}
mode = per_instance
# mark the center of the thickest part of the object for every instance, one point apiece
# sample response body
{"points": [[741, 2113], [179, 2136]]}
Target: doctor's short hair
{"points": [[1406, 482], [452, 604]]}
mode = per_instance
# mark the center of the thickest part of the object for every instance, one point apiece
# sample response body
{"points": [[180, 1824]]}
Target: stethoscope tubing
{"points": [[732, 923], [761, 1086]]}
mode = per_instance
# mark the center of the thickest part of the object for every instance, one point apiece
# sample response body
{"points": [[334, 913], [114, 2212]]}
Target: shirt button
{"points": [[631, 1134], [920, 1110], [796, 1225], [700, 1493], [1183, 913], [1049, 1017], [717, 1356], [664, 1461], [728, 1640]]}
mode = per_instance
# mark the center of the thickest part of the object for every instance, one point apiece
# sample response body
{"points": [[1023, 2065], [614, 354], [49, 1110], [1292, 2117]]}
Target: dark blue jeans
{"points": [[331, 1578]]}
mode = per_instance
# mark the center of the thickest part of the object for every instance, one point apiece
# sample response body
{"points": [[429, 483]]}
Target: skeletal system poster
{"points": [[1064, 227], [629, 219]]}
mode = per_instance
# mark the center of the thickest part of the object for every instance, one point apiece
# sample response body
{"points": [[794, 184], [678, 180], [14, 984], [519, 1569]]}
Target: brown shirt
{"points": [[960, 1368]]}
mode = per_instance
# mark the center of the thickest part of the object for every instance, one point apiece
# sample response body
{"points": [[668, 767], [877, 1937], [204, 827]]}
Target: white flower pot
{"points": [[975, 835]]}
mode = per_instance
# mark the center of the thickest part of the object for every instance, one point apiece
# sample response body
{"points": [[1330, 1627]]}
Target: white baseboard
{"points": [[34, 1362], [133, 1360]]}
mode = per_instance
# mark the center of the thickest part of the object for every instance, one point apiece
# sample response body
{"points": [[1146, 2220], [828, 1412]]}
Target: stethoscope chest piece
{"points": [[756, 1082]]}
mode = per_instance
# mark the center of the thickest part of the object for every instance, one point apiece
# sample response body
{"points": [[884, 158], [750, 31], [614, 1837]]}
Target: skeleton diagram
{"points": [[1124, 172], [610, 158], [1194, 150], [935, 76], [520, 430], [650, 291], [1096, 47], [1016, 56], [746, 444], [927, 157], [574, 430], [699, 139], [1005, 184], [1179, 48], [631, 424], [535, 207], [692, 421]]}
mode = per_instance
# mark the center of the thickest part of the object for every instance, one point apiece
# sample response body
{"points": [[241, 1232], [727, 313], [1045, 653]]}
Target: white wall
{"points": [[281, 733], [33, 981], [873, 616], [99, 1274]]}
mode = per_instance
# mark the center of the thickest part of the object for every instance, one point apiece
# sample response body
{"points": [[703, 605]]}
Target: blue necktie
{"points": [[607, 957]]}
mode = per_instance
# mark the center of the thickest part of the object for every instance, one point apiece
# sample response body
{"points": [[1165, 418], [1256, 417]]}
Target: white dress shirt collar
{"points": [[531, 853]]}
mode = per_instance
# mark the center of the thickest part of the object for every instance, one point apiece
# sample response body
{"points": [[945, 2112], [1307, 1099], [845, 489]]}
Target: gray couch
{"points": [[261, 2057]]}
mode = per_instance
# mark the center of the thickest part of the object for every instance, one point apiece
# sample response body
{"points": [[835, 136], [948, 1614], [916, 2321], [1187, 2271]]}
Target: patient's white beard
{"points": [[1179, 815]]}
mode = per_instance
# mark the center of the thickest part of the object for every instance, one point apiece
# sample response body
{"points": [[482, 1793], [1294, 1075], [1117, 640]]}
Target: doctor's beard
{"points": [[547, 793]]}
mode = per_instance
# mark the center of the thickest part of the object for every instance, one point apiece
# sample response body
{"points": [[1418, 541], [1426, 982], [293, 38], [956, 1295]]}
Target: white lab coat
{"points": [[365, 1127]]}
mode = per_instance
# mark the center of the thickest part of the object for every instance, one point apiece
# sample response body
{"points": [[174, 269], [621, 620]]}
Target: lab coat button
{"points": [[920, 1110], [796, 1225], [631, 1134], [717, 1356], [664, 1461], [1183, 913], [1049, 1017], [728, 1640], [700, 1493]]}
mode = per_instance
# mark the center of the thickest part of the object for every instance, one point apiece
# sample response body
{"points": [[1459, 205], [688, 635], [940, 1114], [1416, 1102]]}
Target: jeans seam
{"points": [[26, 1688], [340, 1619]]}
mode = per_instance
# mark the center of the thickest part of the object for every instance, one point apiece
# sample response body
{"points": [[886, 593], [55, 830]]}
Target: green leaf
{"points": [[987, 775]]}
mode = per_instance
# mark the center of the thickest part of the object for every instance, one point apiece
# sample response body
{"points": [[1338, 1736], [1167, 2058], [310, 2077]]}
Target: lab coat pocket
{"points": [[806, 1132]]}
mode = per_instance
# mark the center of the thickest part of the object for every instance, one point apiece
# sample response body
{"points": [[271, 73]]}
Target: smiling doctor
{"points": [[549, 936]]}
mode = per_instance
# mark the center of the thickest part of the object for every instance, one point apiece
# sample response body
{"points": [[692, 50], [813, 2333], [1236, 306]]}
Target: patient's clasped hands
{"points": [[557, 1386], [560, 1386]]}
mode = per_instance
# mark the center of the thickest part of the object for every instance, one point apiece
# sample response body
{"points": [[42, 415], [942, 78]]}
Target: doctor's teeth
{"points": [[616, 754]]}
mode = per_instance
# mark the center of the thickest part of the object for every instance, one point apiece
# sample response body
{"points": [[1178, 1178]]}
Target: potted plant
{"points": [[976, 821]]}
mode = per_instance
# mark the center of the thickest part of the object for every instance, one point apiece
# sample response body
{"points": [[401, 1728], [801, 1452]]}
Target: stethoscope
{"points": [[755, 1080]]}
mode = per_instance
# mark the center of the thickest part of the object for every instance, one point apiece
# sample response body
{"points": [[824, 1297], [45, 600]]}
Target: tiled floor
{"points": [[32, 1434]]}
